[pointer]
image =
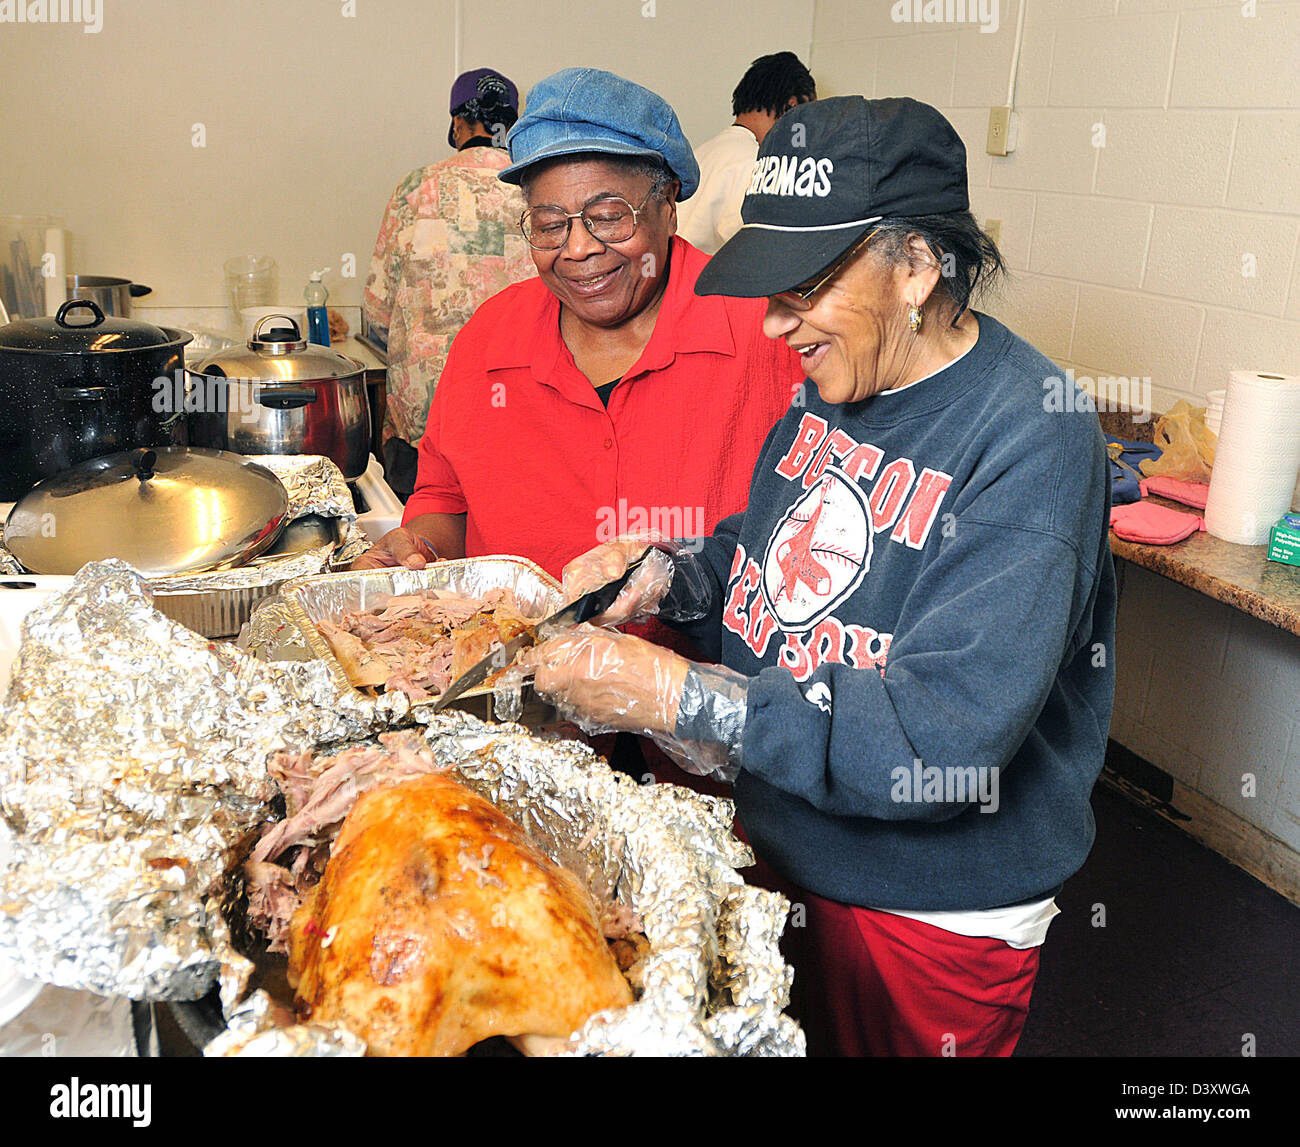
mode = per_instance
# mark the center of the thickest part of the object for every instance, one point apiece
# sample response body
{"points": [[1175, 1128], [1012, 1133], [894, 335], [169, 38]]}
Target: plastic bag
{"points": [[1187, 443]]}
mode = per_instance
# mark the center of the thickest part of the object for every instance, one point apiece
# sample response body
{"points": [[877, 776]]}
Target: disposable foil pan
{"points": [[715, 983], [133, 779], [311, 600]]}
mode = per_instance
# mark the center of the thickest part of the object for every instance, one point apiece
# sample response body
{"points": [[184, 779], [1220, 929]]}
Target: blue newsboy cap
{"points": [[583, 110]]}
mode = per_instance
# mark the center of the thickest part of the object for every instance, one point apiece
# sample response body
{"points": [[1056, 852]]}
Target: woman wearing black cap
{"points": [[914, 616]]}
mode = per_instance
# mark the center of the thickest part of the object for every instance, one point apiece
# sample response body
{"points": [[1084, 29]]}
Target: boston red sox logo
{"points": [[818, 553]]}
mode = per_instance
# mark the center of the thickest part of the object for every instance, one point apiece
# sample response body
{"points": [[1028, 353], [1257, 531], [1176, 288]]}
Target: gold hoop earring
{"points": [[914, 318]]}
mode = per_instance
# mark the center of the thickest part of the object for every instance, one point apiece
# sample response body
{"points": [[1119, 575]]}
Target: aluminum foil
{"points": [[132, 760], [132, 774], [715, 982], [327, 598]]}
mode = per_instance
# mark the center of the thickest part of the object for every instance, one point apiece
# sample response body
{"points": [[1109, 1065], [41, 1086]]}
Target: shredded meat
{"points": [[319, 793], [420, 643]]}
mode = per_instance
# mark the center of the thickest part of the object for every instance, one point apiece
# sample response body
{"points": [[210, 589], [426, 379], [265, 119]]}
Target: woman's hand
{"points": [[399, 547], [609, 680], [599, 566]]}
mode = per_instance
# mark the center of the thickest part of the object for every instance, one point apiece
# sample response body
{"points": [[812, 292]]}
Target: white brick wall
{"points": [[1209, 694], [1128, 257]]}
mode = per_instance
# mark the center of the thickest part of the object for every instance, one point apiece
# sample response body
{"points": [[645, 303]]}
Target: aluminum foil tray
{"points": [[309, 600], [715, 983], [133, 779]]}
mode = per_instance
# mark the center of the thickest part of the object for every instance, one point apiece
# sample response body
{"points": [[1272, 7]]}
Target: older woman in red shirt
{"points": [[604, 395]]}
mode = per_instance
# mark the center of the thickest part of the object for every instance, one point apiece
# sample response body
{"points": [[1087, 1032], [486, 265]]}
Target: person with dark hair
{"points": [[446, 243], [772, 85], [605, 390], [914, 616]]}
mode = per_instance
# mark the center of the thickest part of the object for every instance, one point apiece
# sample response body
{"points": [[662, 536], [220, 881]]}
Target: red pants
{"points": [[870, 983]]}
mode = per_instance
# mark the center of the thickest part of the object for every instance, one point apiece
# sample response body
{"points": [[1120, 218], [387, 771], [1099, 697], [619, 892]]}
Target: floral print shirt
{"points": [[449, 239]]}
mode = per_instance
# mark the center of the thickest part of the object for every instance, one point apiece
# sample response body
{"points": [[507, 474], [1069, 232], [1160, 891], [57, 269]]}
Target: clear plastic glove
{"points": [[600, 566], [667, 566], [399, 547], [605, 681], [609, 679]]}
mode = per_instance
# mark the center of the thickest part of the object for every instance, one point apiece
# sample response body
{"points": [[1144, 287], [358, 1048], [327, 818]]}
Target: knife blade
{"points": [[581, 609]]}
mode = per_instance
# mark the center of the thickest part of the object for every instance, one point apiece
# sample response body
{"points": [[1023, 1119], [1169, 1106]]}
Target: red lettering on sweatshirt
{"points": [[829, 642], [907, 519], [889, 492], [914, 526], [808, 437]]}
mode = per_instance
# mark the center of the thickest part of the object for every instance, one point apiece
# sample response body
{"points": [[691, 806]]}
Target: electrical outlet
{"points": [[999, 140], [993, 229]]}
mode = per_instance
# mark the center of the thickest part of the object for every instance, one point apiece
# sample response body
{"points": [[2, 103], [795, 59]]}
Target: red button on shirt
{"points": [[518, 440]]}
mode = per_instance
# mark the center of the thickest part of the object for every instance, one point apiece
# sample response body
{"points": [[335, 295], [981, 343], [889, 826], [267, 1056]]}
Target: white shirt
{"points": [[712, 215], [1019, 926]]}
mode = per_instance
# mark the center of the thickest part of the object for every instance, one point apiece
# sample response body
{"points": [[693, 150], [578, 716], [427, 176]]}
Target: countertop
{"points": [[1239, 576]]}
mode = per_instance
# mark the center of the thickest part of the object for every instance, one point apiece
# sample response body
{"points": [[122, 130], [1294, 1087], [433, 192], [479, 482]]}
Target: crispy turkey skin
{"points": [[437, 925]]}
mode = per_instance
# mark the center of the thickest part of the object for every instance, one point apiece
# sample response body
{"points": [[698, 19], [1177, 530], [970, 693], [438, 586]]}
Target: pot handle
{"points": [[60, 314], [81, 393], [143, 461], [138, 289], [289, 319], [286, 398]]}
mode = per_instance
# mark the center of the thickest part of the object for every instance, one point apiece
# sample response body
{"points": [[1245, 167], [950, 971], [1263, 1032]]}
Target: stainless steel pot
{"points": [[281, 395], [113, 295]]}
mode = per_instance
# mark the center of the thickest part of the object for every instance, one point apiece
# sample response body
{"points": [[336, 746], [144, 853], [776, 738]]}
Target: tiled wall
{"points": [[1208, 694], [1159, 148]]}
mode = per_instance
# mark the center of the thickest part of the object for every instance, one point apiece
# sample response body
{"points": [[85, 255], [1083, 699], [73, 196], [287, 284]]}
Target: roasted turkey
{"points": [[437, 925]]}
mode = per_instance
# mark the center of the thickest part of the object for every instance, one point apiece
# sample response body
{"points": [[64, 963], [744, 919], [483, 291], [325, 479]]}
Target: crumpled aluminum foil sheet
{"points": [[132, 773], [132, 759], [715, 981]]}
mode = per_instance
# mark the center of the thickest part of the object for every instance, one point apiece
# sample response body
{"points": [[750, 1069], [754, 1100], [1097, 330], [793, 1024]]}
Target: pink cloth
{"points": [[1177, 490], [1153, 525]]}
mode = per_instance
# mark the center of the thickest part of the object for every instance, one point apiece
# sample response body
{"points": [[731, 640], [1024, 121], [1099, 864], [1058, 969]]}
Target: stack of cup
{"points": [[251, 281], [1214, 410]]}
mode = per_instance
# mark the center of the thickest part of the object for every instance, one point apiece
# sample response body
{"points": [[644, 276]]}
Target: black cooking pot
{"points": [[73, 388]]}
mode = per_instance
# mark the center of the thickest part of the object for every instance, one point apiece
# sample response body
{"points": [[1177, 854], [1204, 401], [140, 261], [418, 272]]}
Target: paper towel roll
{"points": [[1258, 455]]}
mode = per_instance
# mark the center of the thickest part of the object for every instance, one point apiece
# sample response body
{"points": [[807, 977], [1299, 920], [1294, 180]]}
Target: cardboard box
{"points": [[1284, 540]]}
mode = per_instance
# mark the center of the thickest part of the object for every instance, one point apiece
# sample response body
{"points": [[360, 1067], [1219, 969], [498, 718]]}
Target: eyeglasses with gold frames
{"points": [[800, 298], [610, 219]]}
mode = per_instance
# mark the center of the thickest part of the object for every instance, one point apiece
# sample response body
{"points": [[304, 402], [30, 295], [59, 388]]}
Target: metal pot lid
{"points": [[80, 326], [277, 352], [165, 510]]}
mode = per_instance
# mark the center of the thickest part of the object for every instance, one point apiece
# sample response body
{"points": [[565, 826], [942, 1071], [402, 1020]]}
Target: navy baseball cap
{"points": [[582, 110], [825, 174]]}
